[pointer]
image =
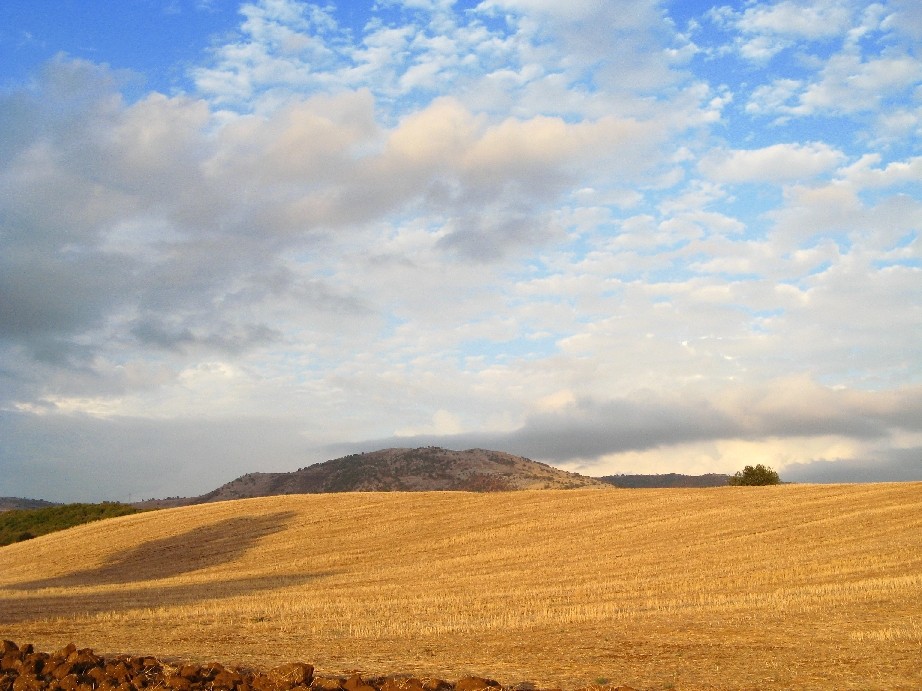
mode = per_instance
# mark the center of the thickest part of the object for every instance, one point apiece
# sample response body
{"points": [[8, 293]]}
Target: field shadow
{"points": [[199, 548], [39, 607], [150, 561]]}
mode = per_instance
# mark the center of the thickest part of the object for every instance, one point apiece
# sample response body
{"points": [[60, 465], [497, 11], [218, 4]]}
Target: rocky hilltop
{"points": [[424, 469]]}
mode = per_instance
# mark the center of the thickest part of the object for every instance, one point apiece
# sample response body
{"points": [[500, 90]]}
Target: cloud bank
{"points": [[618, 239]]}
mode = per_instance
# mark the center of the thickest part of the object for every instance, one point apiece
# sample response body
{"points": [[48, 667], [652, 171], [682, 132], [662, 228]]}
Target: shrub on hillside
{"points": [[755, 475], [25, 524]]}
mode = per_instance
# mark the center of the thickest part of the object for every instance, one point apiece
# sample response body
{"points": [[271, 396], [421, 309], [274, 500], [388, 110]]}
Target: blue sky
{"points": [[615, 237]]}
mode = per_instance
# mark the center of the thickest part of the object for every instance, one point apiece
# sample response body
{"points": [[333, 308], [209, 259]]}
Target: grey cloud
{"points": [[114, 226], [47, 300], [591, 429], [80, 458], [159, 212], [228, 338], [890, 465], [488, 240]]}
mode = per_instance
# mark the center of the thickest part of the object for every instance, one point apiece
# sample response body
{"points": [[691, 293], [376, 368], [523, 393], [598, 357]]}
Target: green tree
{"points": [[758, 475]]}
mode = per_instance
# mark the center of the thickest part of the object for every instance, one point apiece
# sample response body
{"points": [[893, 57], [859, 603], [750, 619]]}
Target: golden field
{"points": [[794, 586]]}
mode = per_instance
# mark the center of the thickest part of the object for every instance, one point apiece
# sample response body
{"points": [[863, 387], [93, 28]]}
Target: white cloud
{"points": [[848, 84], [283, 43], [775, 163], [904, 17], [538, 226], [812, 20], [864, 173]]}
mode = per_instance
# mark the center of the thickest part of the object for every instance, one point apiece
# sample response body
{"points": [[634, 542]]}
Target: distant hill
{"points": [[424, 469], [18, 503], [666, 480]]}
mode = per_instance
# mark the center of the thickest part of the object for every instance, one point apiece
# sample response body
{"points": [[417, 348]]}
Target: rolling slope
{"points": [[767, 587]]}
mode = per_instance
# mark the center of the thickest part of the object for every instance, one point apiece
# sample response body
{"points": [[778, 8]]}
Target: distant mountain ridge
{"points": [[389, 470], [428, 468], [666, 480], [18, 503]]}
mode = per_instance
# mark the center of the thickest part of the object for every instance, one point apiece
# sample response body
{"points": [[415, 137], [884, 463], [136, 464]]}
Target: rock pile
{"points": [[22, 668]]}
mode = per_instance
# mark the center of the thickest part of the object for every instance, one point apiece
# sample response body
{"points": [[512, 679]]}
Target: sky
{"points": [[617, 237]]}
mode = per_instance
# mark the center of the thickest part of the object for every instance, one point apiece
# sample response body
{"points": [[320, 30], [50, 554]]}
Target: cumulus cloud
{"points": [[811, 20], [557, 229], [775, 163]]}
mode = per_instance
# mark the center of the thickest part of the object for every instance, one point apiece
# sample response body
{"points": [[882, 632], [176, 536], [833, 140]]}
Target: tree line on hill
{"points": [[24, 524], [749, 476]]}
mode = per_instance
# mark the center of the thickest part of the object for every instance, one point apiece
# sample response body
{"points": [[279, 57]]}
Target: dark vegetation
{"points": [[25, 524], [754, 476], [10, 503], [666, 480]]}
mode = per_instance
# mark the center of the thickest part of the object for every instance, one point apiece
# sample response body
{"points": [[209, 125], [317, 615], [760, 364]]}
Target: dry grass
{"points": [[775, 587]]}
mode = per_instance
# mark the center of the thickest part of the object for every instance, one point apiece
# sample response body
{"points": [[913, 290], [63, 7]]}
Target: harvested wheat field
{"points": [[764, 587]]}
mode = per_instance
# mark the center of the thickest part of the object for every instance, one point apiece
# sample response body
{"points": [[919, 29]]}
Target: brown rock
{"points": [[97, 675], [11, 662], [226, 679], [69, 682], [8, 647], [326, 684], [84, 660], [33, 664], [190, 671], [60, 670], [356, 683], [293, 674], [261, 682], [66, 651], [119, 670], [397, 684], [474, 684], [436, 685], [211, 670], [178, 682], [134, 665]]}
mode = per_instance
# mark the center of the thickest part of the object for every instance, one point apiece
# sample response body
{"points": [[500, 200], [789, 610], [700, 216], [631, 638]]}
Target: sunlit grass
{"points": [[649, 586]]}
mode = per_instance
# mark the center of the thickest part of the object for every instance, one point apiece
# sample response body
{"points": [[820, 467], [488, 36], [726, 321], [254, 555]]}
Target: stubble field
{"points": [[775, 587]]}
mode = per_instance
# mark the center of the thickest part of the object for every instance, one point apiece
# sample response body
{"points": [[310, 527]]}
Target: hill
{"points": [[18, 503], [666, 480], [24, 524], [389, 470], [794, 586]]}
